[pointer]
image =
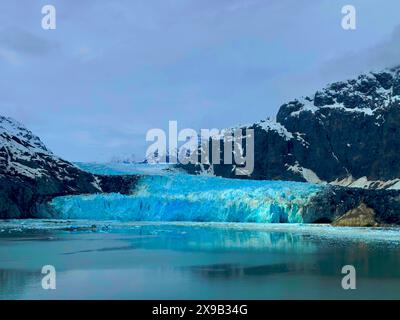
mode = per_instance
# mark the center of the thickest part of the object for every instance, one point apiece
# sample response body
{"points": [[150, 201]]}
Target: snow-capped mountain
{"points": [[352, 128], [346, 134], [22, 154], [30, 173]]}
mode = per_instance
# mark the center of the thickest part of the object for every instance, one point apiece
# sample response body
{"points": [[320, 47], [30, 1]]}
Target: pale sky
{"points": [[113, 69]]}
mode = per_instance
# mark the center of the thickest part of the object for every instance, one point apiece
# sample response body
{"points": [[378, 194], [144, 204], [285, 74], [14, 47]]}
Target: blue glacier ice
{"points": [[182, 197]]}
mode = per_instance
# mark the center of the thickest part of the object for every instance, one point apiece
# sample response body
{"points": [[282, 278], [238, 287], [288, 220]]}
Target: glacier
{"points": [[176, 196]]}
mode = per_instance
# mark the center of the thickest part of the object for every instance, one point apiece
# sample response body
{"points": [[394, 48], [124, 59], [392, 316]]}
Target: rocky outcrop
{"points": [[334, 202], [31, 175], [362, 216], [346, 134]]}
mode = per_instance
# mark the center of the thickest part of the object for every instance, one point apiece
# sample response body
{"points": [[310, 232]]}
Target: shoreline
{"points": [[322, 231]]}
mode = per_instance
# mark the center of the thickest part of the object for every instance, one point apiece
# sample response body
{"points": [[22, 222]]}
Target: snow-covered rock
{"points": [[352, 128], [22, 154]]}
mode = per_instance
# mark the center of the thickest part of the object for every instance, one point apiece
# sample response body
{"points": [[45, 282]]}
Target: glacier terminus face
{"points": [[182, 197]]}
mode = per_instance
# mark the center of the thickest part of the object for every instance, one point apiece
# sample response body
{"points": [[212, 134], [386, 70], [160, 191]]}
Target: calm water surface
{"points": [[110, 260]]}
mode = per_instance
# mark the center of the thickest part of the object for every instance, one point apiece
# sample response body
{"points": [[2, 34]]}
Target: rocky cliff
{"points": [[336, 203]]}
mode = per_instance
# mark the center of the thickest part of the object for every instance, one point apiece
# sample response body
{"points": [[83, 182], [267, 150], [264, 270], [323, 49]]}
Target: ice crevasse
{"points": [[183, 197]]}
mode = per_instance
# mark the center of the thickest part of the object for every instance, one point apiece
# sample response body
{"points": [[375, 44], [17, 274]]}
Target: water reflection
{"points": [[231, 271], [168, 261], [14, 282]]}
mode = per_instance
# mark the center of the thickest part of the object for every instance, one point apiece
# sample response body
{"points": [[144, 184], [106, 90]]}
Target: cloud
{"points": [[9, 56], [22, 42], [114, 69], [385, 54]]}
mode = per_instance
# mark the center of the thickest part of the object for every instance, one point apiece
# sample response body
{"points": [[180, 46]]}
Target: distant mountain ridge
{"points": [[347, 134]]}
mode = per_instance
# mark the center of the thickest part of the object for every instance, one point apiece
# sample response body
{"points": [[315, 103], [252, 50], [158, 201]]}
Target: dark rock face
{"points": [[30, 174], [334, 202], [351, 127], [20, 196], [349, 130], [274, 153], [123, 184]]}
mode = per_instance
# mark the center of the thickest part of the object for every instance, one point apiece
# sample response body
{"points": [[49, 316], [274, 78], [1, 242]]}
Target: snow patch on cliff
{"points": [[364, 183], [307, 174]]}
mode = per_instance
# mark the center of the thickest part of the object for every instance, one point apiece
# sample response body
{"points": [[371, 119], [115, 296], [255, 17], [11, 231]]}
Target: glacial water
{"points": [[174, 196], [131, 260]]}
